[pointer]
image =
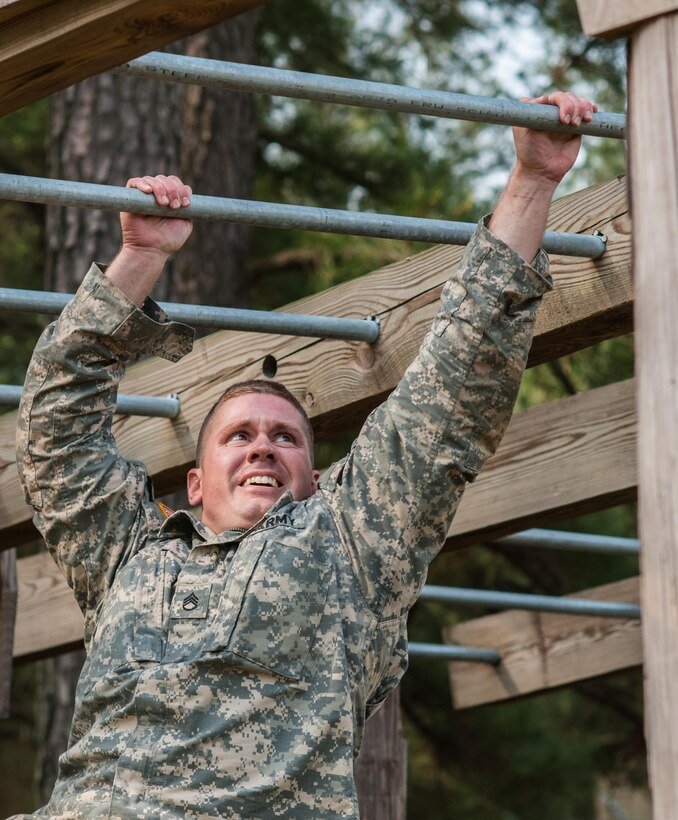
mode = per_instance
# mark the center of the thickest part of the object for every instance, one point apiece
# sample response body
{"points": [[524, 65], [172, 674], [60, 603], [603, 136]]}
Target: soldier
{"points": [[232, 662]]}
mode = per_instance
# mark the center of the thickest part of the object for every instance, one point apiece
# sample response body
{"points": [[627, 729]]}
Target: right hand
{"points": [[156, 233], [549, 155]]}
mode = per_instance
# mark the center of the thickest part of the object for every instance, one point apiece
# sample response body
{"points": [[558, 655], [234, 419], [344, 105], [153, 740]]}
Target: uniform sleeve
{"points": [[91, 505], [395, 494]]}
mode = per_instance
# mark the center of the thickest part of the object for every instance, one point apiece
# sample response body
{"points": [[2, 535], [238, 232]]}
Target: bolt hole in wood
{"points": [[269, 367]]}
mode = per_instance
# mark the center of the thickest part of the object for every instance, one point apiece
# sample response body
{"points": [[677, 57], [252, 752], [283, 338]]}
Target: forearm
{"points": [[397, 492], [87, 498], [520, 217], [135, 272]]}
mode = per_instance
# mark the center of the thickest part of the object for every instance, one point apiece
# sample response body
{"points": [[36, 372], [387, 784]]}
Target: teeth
{"points": [[262, 479]]}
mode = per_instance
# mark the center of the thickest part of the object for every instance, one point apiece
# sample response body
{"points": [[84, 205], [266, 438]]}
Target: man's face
{"points": [[256, 449]]}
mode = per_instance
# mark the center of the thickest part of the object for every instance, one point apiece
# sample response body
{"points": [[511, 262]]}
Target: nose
{"points": [[261, 449]]}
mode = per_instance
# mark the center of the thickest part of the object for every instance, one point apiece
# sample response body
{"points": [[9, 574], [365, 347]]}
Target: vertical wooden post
{"points": [[653, 167], [381, 767], [8, 598], [653, 145]]}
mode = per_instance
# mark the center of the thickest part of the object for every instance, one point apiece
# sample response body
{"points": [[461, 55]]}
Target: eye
{"points": [[239, 435], [286, 438]]}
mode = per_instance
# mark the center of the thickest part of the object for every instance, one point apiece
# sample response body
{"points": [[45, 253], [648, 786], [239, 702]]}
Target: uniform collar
{"points": [[186, 525]]}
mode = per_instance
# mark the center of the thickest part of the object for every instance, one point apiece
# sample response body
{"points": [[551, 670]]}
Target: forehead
{"points": [[258, 409]]}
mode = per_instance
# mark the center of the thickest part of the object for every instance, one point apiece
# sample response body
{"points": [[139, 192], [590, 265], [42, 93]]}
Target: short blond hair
{"points": [[264, 386]]}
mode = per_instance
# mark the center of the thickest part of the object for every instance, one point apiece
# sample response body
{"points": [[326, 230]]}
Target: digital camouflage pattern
{"points": [[230, 675]]}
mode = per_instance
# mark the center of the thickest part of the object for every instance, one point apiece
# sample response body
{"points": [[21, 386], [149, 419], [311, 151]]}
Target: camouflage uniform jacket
{"points": [[230, 675]]}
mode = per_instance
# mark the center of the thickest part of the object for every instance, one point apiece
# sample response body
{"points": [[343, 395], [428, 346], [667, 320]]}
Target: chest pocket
{"points": [[281, 609], [129, 631]]}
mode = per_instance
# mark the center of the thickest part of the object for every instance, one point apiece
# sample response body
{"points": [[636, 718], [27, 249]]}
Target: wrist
{"points": [[137, 256], [135, 270], [528, 183]]}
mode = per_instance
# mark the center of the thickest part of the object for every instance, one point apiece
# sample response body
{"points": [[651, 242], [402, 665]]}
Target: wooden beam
{"points": [[653, 134], [47, 45], [558, 460], [48, 619], [544, 650], [340, 382], [614, 17]]}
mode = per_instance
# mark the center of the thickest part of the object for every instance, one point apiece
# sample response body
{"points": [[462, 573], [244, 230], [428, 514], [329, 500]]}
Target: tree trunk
{"points": [[8, 599], [106, 130], [381, 767], [111, 127]]}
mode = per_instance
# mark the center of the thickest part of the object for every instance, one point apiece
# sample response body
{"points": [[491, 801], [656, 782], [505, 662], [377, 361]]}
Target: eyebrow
{"points": [[247, 422]]}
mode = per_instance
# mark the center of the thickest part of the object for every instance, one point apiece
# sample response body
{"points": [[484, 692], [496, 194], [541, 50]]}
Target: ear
{"points": [[194, 486], [316, 475]]}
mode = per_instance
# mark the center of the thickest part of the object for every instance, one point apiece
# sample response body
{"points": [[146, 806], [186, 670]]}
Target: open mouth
{"points": [[261, 481]]}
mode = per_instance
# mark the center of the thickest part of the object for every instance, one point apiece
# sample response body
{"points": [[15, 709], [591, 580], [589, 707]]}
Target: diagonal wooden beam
{"points": [[47, 45], [48, 620], [340, 382], [543, 650], [558, 460]]}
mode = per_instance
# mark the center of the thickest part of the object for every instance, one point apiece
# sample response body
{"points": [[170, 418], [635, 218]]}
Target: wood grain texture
{"points": [[558, 460], [544, 650], [340, 382], [653, 122], [607, 17], [48, 619], [47, 45]]}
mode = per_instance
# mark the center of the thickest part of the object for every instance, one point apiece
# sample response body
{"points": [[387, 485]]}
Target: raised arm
{"points": [[395, 494], [542, 160], [91, 505]]}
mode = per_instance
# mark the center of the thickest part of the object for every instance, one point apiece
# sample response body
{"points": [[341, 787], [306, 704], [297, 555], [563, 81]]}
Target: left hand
{"points": [[549, 155]]}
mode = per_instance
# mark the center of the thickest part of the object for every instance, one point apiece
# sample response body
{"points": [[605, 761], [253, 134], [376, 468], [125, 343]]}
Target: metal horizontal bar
{"points": [[129, 405], [363, 93], [575, 541], [221, 318], [516, 600], [469, 654], [271, 214]]}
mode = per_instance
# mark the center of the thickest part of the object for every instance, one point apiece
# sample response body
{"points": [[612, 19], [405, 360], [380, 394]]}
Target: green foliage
{"points": [[22, 140]]}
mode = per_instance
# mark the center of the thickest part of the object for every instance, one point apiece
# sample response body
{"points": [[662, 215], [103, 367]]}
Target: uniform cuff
{"points": [[100, 307]]}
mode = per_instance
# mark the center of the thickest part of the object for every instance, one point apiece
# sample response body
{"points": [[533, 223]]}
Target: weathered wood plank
{"points": [[340, 382], [544, 650], [556, 461], [48, 619], [653, 119], [606, 17], [47, 45]]}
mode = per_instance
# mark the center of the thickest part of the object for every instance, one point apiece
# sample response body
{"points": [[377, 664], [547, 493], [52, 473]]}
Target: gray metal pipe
{"points": [[261, 321], [127, 404], [346, 91], [541, 603], [272, 215], [469, 654], [574, 541]]}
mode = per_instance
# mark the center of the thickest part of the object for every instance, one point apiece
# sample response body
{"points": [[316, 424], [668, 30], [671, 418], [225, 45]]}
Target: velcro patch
{"points": [[191, 602]]}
